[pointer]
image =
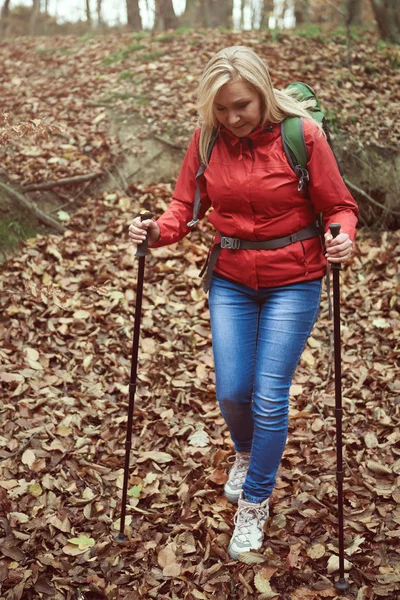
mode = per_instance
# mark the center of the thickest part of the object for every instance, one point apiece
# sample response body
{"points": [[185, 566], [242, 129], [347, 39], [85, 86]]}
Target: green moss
{"points": [[310, 30], [183, 30], [273, 35], [67, 50], [86, 37], [140, 35], [13, 232], [165, 38], [126, 75], [122, 54], [390, 52], [150, 56], [44, 50]]}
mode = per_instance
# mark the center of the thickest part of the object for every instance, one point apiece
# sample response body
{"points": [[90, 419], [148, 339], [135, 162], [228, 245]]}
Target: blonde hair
{"points": [[240, 62]]}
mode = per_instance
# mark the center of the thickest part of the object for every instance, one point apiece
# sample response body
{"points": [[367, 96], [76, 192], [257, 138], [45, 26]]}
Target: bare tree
{"points": [[208, 13], [387, 15], [242, 6], [99, 18], [267, 11], [35, 14], [302, 11], [165, 17], [5, 11], [354, 15], [193, 15], [133, 12], [88, 13]]}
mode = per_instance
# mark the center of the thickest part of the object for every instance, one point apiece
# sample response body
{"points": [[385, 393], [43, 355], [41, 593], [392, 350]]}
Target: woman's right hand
{"points": [[138, 230]]}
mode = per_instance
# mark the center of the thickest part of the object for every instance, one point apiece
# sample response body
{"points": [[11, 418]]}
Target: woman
{"points": [[263, 302]]}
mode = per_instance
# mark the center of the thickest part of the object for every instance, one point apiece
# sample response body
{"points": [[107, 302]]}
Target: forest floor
{"points": [[67, 305]]}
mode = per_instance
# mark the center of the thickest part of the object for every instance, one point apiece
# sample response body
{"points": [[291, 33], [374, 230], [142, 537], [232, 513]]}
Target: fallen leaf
{"points": [[252, 558], [28, 458], [262, 580], [83, 542], [333, 564], [199, 438], [158, 457], [316, 551], [218, 476], [378, 468]]}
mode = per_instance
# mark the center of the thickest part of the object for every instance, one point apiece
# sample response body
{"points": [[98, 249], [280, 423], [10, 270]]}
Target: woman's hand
{"points": [[338, 249], [138, 231]]}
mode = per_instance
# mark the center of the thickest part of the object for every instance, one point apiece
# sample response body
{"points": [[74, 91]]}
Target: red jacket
{"points": [[253, 193]]}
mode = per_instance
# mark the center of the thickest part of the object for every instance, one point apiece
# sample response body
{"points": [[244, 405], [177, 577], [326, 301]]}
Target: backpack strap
{"points": [[202, 168], [295, 149], [294, 145]]}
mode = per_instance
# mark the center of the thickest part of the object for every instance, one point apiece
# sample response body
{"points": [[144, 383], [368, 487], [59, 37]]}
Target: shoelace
{"points": [[240, 467], [243, 519]]}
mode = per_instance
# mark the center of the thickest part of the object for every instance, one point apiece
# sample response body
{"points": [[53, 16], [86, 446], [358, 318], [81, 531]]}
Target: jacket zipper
{"points": [[251, 152]]}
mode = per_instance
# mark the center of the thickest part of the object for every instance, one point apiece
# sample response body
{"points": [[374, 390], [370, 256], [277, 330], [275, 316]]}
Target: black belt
{"points": [[229, 243]]}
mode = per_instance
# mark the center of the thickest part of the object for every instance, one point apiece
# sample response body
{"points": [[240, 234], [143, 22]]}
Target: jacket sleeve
{"points": [[173, 223], [327, 189]]}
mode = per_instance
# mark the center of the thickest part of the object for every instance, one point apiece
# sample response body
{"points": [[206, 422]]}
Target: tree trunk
{"points": [[5, 11], [35, 13], [267, 11], [387, 15], [134, 18], [353, 8], [241, 22], [165, 17], [208, 13], [192, 15], [302, 11], [99, 19], [88, 13]]}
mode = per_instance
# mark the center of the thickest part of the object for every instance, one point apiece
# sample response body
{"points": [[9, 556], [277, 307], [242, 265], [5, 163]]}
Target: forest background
{"points": [[95, 119]]}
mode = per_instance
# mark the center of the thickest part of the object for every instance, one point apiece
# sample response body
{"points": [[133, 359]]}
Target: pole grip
{"points": [[142, 248], [334, 228]]}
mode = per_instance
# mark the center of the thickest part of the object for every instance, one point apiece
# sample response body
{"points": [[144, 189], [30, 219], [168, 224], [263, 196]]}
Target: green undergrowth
{"points": [[14, 229], [123, 54]]}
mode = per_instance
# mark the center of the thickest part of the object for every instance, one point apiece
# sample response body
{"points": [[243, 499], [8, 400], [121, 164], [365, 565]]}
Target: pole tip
{"points": [[121, 538], [342, 585]]}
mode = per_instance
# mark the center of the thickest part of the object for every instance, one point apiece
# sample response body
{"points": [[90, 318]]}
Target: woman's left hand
{"points": [[338, 249]]}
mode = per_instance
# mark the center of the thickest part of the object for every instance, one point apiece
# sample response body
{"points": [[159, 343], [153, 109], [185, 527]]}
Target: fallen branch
{"points": [[339, 10], [32, 208], [46, 185], [353, 187]]}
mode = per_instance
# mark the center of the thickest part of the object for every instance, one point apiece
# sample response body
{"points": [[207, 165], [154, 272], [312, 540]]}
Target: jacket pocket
{"points": [[311, 256]]}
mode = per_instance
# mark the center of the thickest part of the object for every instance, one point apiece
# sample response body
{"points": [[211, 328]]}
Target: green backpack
{"points": [[293, 144], [293, 135]]}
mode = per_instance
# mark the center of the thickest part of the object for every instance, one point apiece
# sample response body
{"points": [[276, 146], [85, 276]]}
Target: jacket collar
{"points": [[261, 132]]}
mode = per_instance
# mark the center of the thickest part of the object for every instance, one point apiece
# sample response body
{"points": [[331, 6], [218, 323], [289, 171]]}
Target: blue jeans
{"points": [[258, 337]]}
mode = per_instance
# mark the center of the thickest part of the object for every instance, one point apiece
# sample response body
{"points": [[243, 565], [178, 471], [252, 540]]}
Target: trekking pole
{"points": [[141, 252], [341, 584]]}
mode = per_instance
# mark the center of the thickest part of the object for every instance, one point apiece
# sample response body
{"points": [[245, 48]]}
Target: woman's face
{"points": [[237, 106]]}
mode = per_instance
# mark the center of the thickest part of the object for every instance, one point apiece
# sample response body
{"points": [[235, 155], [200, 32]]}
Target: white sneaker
{"points": [[249, 527], [237, 475]]}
